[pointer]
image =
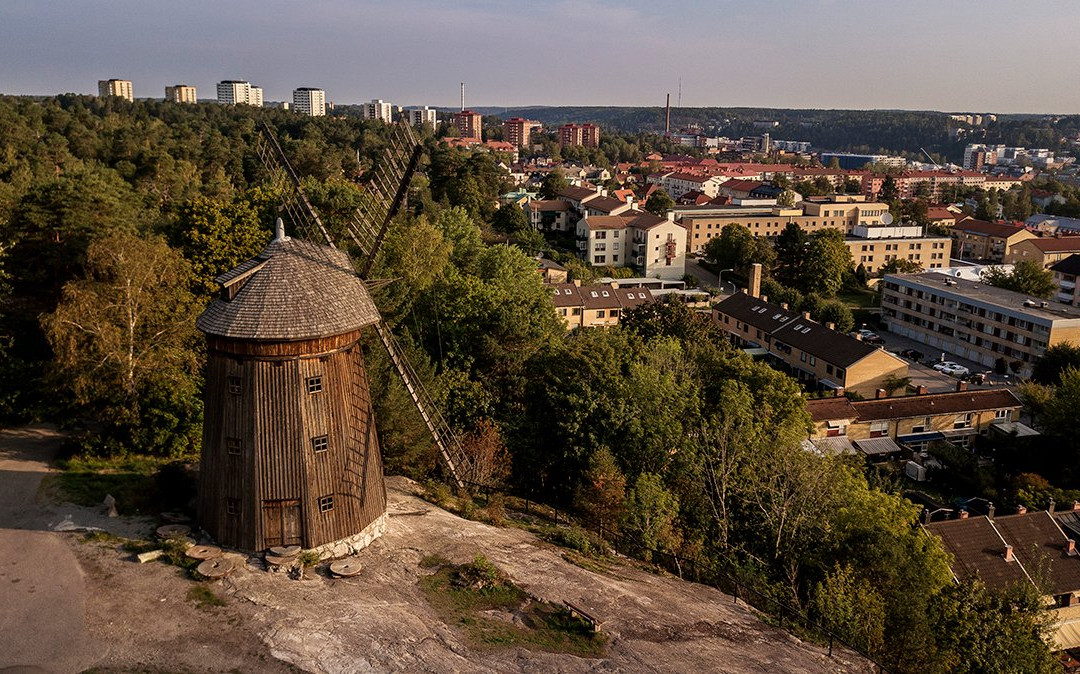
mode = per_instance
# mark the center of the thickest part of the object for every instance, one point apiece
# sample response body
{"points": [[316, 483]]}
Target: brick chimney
{"points": [[830, 325], [840, 391], [806, 315], [1021, 509], [1076, 505], [1050, 508], [783, 305], [989, 511], [921, 390], [1070, 547], [754, 283], [961, 386], [963, 514], [857, 336], [881, 393], [764, 298], [1008, 553]]}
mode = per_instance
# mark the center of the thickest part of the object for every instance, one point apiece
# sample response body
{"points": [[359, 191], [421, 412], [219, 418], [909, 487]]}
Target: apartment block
{"points": [[654, 245], [519, 131], [309, 101], [974, 320], [120, 88], [911, 421], [549, 214], [873, 246], [469, 124], [987, 241], [597, 305], [421, 118], [239, 92], [1065, 274], [843, 213], [181, 93], [379, 109], [571, 135], [817, 355], [1046, 251]]}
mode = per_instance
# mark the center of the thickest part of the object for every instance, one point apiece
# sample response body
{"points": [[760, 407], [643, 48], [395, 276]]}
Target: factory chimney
{"points": [[463, 97]]}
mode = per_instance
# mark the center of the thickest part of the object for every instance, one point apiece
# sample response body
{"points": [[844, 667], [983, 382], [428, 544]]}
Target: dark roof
{"points": [[293, 290], [544, 263], [1054, 244], [830, 409], [599, 297], [566, 295], [973, 226], [548, 205], [1070, 265], [978, 550], [632, 297], [604, 204], [1037, 539], [578, 193], [953, 402], [794, 329], [643, 220]]}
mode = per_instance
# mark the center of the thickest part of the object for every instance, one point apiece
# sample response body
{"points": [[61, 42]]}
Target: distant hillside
{"points": [[895, 131]]}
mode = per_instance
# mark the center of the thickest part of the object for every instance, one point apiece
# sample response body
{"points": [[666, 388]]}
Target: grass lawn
{"points": [[494, 613], [141, 485], [858, 299]]}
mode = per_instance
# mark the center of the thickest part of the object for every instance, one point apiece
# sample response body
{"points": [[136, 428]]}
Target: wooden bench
{"points": [[592, 622]]}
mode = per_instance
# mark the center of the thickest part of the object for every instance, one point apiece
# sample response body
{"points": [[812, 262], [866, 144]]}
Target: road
{"points": [[42, 589], [705, 278]]}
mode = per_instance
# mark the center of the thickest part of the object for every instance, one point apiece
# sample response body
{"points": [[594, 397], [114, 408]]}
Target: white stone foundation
{"points": [[355, 543]]}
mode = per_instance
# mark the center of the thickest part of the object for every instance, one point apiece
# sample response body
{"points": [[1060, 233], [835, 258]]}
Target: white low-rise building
{"points": [[654, 245]]}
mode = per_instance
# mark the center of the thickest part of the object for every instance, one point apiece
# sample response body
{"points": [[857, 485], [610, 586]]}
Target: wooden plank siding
{"points": [[275, 419]]}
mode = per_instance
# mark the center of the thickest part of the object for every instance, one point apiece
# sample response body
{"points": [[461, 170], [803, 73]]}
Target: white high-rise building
{"points": [[309, 101], [239, 92], [180, 93], [421, 117], [379, 109], [121, 88]]}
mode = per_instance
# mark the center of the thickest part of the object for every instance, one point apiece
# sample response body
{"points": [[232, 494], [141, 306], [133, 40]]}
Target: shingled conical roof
{"points": [[293, 290]]}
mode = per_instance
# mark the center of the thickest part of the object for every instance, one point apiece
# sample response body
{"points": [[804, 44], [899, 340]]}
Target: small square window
{"points": [[234, 386], [320, 443], [232, 506], [326, 504], [234, 446], [314, 384]]}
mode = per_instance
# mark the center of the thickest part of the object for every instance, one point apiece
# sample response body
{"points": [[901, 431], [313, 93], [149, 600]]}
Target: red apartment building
{"points": [[579, 134], [518, 130], [468, 124]]}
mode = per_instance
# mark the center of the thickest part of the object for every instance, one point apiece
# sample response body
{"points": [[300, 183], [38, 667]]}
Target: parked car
{"points": [[868, 336], [942, 365], [912, 354], [956, 370]]}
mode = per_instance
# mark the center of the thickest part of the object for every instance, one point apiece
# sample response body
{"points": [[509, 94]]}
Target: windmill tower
{"points": [[290, 452]]}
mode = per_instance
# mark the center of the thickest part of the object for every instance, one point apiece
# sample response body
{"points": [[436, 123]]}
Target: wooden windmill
{"points": [[290, 454]]}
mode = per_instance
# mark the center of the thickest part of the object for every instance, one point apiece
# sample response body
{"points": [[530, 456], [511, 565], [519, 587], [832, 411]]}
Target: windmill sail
{"points": [[387, 185]]}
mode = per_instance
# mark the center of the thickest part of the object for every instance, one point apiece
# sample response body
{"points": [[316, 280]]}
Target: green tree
{"points": [[659, 203], [649, 518], [894, 383], [790, 250], [737, 248], [552, 184], [850, 605], [889, 191], [1058, 358], [510, 219], [603, 489], [900, 266], [828, 259], [1027, 277], [216, 236], [125, 345]]}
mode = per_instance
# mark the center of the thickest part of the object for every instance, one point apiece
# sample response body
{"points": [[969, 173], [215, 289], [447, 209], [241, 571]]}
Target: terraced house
{"points": [[815, 354], [595, 305]]}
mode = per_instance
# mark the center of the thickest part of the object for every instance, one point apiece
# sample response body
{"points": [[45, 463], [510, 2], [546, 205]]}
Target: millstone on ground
{"points": [[215, 568], [203, 552]]}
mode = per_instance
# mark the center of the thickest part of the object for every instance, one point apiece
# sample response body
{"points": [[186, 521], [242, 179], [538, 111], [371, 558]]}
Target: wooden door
{"points": [[281, 523]]}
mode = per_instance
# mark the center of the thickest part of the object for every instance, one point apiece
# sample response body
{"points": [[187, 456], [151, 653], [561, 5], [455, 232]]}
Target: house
{"points": [[551, 271], [913, 421], [654, 245], [577, 197], [990, 241], [678, 184], [815, 354], [595, 305], [1045, 250], [605, 206], [940, 216], [549, 214], [1027, 547]]}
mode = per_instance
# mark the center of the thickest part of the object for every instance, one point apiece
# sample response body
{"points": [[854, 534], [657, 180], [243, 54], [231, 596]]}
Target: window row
{"points": [[319, 443], [311, 385]]}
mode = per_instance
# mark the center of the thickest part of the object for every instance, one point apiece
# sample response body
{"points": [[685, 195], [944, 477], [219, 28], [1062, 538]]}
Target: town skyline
{"points": [[828, 55]]}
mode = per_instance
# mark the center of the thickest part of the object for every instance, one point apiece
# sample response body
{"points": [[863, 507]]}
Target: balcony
{"points": [[582, 245]]}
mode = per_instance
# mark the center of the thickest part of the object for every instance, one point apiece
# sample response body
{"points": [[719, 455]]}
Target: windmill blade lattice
{"points": [[387, 186]]}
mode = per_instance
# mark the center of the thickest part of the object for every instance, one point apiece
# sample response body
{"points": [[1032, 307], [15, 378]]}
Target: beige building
{"points": [[912, 421], [815, 354], [875, 246], [469, 124], [1046, 250], [120, 88], [653, 245], [843, 213], [986, 241], [1065, 275], [974, 320], [181, 93], [519, 131], [309, 101], [239, 92], [549, 214], [596, 305]]}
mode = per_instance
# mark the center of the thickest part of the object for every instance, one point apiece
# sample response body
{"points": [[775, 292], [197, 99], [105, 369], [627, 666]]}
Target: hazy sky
{"points": [[962, 55]]}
